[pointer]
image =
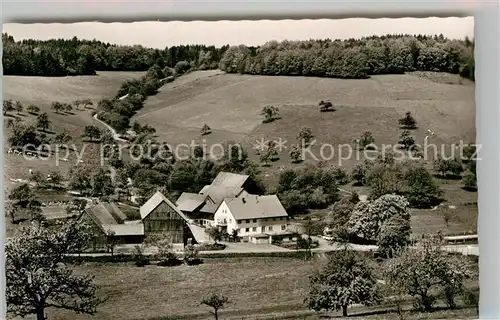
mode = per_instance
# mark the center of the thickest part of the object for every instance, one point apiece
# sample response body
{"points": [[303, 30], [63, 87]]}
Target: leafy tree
{"points": [[42, 121], [57, 106], [325, 106], [140, 259], [448, 167], [80, 179], [366, 140], [37, 276], [37, 177], [389, 212], [359, 173], [33, 109], [346, 279], [182, 67], [8, 106], [215, 233], [426, 268], [216, 301], [421, 190], [408, 122], [92, 132], [10, 123], [394, 235], [63, 138], [87, 103], [67, 107], [198, 152], [470, 182], [384, 179], [305, 136], [406, 141], [102, 184], [234, 159], [24, 136], [191, 255], [24, 200], [270, 154], [164, 249], [205, 130], [270, 113], [19, 107], [295, 154]]}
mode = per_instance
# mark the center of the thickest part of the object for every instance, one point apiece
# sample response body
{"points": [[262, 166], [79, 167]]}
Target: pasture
{"points": [[42, 91], [258, 288], [230, 104]]}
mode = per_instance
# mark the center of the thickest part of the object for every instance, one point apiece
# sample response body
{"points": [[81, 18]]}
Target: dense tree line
{"points": [[61, 57], [353, 58]]}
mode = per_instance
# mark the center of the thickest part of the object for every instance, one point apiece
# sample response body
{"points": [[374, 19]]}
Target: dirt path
{"points": [[113, 132]]}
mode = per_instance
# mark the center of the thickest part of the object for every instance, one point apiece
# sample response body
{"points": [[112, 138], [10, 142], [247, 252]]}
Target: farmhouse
{"points": [[158, 215], [201, 206], [256, 218]]}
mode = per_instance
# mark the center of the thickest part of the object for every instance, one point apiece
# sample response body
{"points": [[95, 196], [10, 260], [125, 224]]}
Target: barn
{"points": [[160, 215], [108, 222]]}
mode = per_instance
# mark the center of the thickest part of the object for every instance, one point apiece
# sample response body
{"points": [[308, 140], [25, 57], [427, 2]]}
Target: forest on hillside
{"points": [[351, 58], [354, 58], [60, 57]]}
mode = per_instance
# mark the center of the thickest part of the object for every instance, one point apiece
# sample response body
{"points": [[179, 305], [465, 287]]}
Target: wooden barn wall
{"points": [[98, 240], [165, 219]]}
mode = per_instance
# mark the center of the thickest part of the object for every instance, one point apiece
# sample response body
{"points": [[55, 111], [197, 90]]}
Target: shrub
{"points": [[170, 262], [140, 259], [408, 122]]}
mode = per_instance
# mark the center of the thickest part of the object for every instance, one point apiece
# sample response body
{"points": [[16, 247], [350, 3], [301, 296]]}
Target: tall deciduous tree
{"points": [[92, 132], [270, 113], [42, 121], [423, 269], [345, 280], [37, 276]]}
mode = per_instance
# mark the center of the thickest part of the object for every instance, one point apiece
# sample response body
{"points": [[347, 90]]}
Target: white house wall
{"points": [[248, 227], [222, 214]]}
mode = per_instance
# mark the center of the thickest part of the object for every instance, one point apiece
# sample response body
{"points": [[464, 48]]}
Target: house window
{"points": [[239, 221], [248, 221], [254, 220], [254, 229], [247, 229], [283, 227], [270, 228]]}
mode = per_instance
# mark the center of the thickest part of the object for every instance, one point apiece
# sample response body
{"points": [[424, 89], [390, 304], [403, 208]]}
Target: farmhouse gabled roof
{"points": [[153, 202], [256, 207], [101, 215], [189, 202], [157, 199], [229, 180]]}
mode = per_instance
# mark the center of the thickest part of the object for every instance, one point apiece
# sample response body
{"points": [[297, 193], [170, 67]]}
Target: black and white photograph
{"points": [[253, 169]]}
